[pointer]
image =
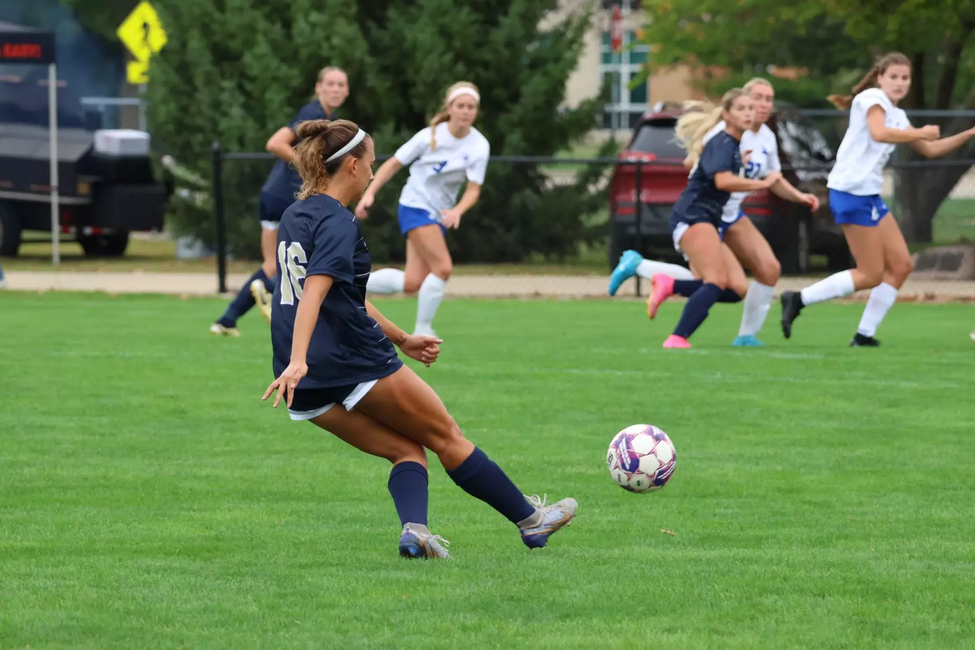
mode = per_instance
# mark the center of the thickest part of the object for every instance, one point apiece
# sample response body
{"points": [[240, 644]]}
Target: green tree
{"points": [[836, 41], [236, 72]]}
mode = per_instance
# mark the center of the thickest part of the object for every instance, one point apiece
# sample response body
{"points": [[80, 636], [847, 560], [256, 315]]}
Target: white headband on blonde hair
{"points": [[463, 90], [356, 139]]}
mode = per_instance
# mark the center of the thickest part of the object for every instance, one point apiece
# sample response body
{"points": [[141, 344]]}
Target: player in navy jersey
{"points": [[278, 192], [334, 355], [696, 218], [883, 262]]}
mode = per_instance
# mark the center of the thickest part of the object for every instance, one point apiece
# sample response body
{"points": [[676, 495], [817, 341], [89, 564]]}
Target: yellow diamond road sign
{"points": [[142, 32], [137, 72]]}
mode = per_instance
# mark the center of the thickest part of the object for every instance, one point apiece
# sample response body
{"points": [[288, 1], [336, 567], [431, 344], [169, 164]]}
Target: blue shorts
{"points": [[723, 228], [411, 218], [271, 209], [857, 210]]}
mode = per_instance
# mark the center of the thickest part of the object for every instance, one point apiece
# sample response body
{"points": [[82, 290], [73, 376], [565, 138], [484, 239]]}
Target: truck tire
{"points": [[112, 245], [10, 230]]}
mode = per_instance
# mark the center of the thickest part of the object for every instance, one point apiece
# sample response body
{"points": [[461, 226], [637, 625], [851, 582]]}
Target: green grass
{"points": [[822, 497]]}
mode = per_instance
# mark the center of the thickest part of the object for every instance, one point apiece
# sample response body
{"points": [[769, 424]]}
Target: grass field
{"points": [[822, 497]]}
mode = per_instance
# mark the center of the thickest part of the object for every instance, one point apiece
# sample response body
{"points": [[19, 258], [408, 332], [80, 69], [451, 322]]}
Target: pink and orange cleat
{"points": [[675, 342], [662, 287]]}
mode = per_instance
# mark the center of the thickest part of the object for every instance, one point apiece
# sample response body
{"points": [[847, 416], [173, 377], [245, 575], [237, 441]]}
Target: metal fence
{"points": [[577, 214]]}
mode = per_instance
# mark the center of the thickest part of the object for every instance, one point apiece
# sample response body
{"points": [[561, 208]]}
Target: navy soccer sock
{"points": [[688, 288], [244, 300], [481, 478], [696, 310], [408, 484]]}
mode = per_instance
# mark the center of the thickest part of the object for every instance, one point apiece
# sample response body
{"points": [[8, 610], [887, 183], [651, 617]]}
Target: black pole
{"points": [[219, 217], [639, 215]]}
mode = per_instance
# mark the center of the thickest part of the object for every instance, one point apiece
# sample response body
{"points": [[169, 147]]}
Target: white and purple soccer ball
{"points": [[641, 458]]}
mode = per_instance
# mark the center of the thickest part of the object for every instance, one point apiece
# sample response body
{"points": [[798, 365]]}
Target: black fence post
{"points": [[219, 217], [639, 216]]}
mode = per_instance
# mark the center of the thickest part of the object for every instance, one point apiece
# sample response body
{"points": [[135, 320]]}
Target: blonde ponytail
{"points": [[700, 117], [442, 115], [843, 102]]}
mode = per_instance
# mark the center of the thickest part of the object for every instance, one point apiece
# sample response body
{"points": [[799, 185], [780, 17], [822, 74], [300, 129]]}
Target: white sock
{"points": [[431, 293], [882, 298], [648, 267], [386, 281], [757, 303], [835, 286]]}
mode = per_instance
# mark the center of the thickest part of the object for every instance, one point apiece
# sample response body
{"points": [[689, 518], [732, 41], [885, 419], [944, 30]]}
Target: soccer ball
{"points": [[641, 458]]}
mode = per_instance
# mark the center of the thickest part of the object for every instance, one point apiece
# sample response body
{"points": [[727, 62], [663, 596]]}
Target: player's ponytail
{"points": [[442, 115], [843, 102], [320, 140], [700, 117]]}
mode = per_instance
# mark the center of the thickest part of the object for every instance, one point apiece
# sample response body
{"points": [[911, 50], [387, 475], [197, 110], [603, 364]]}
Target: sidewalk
{"points": [[481, 286]]}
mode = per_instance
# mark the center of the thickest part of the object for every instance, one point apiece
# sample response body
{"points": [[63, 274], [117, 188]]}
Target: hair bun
{"points": [[312, 128]]}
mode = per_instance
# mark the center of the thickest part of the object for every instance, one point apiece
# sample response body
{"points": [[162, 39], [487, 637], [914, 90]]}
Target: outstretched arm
{"points": [[938, 148]]}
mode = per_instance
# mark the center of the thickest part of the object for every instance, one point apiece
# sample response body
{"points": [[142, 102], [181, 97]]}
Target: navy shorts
{"points": [[679, 225], [411, 218], [271, 208], [857, 210], [309, 403]]}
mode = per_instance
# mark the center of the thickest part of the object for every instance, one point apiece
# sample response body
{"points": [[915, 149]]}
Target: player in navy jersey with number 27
{"points": [[334, 357], [697, 216]]}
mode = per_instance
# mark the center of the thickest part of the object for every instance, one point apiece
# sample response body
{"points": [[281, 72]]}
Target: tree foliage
{"points": [[234, 71], [835, 41]]}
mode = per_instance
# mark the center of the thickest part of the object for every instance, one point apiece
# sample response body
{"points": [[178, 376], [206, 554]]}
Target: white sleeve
{"points": [[414, 148], [774, 164], [477, 168], [873, 97]]}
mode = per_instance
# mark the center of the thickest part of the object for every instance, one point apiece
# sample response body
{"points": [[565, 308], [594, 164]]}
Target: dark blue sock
{"points": [[696, 310], [688, 288], [481, 478], [408, 485], [243, 302]]}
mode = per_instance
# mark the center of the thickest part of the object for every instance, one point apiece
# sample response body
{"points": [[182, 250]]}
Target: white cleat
{"points": [[219, 330], [554, 518], [418, 542], [262, 298]]}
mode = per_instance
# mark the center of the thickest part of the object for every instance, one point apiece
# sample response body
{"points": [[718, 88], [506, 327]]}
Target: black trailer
{"points": [[102, 194]]}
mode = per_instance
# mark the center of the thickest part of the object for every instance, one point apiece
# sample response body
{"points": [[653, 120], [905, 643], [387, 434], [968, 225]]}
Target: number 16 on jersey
{"points": [[291, 259]]}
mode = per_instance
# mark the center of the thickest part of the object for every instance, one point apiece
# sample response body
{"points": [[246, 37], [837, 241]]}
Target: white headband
{"points": [[356, 139], [463, 91]]}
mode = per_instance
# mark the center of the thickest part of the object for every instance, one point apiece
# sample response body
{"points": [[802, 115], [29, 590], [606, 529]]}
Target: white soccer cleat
{"points": [[262, 298], [219, 330], [554, 518], [418, 542]]}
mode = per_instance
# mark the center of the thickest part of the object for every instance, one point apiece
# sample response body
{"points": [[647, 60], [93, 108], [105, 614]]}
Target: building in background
{"points": [[598, 63]]}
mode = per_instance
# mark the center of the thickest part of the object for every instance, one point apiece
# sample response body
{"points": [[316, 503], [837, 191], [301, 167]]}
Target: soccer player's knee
{"points": [[448, 435], [407, 450], [768, 272], [902, 267], [411, 285], [717, 277], [443, 269], [872, 275]]}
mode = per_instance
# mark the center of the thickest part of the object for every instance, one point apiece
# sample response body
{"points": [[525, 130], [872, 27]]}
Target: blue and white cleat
{"points": [[418, 542], [625, 270], [553, 518], [747, 341]]}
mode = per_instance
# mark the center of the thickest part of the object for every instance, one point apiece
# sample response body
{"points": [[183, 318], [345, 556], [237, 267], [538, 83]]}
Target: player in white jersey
{"points": [[442, 157], [883, 262], [760, 153]]}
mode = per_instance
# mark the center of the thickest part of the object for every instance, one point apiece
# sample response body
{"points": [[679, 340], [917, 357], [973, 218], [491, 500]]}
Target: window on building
{"points": [[626, 104]]}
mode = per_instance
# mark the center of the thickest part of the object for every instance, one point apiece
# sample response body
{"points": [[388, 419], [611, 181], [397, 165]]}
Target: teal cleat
{"points": [[553, 518], [748, 341], [625, 270]]}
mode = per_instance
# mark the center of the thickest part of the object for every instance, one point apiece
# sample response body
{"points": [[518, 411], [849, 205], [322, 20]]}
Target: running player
{"points": [[278, 192], [441, 157], [883, 262], [738, 232], [697, 216], [334, 357]]}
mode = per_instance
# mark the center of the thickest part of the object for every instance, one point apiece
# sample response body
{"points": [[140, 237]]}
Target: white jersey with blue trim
{"points": [[860, 161], [436, 175], [763, 159]]}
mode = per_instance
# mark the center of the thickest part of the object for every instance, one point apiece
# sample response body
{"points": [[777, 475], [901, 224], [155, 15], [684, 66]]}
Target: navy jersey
{"points": [[701, 201], [283, 181], [319, 236]]}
